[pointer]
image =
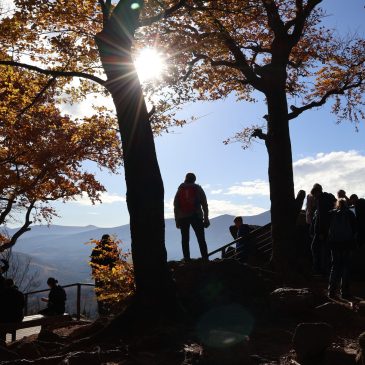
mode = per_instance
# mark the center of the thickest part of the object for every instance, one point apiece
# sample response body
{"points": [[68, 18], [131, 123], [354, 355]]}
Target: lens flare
{"points": [[150, 64]]}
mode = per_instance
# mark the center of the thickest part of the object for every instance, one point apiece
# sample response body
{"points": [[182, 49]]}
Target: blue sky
{"points": [[234, 179]]}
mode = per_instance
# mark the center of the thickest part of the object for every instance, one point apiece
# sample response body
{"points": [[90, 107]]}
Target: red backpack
{"points": [[188, 199]]}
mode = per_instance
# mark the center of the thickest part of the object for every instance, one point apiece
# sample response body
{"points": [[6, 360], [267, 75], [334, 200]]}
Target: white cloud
{"points": [[334, 171], [169, 208], [250, 188], [106, 198], [219, 207], [216, 192]]}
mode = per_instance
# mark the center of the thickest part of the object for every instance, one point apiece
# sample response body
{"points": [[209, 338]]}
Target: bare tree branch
{"points": [[274, 20], [7, 210], [49, 83], [258, 133], [24, 228], [54, 72], [337, 91], [300, 19]]}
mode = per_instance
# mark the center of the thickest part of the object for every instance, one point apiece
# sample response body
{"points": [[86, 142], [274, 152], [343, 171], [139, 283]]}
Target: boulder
{"points": [[202, 286], [310, 340], [340, 356], [335, 313], [291, 301]]}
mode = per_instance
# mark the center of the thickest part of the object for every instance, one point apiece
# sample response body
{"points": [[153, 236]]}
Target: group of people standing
{"points": [[337, 227]]}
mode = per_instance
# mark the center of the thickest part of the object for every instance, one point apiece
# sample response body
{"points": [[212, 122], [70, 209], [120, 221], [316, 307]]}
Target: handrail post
{"points": [[78, 305], [25, 304]]}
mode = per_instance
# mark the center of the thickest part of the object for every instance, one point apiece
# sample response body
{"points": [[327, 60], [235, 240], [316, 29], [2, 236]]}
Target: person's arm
{"points": [[204, 204], [233, 230]]}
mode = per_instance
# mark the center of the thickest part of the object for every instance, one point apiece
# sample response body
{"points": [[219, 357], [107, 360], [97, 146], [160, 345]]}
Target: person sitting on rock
{"points": [[242, 231], [56, 299]]}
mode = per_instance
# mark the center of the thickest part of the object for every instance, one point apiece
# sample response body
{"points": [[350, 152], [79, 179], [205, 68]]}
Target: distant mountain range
{"points": [[61, 251]]}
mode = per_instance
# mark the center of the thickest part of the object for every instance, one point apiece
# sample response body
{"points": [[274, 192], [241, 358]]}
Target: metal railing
{"points": [[260, 239], [78, 296]]}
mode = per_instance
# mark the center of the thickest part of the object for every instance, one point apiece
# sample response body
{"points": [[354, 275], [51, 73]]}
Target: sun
{"points": [[150, 64]]}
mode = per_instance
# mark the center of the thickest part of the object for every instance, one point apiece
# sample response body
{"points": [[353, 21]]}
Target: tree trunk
{"points": [[145, 192], [284, 208]]}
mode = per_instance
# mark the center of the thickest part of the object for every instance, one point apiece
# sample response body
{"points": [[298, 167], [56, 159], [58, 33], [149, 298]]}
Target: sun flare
{"points": [[150, 64]]}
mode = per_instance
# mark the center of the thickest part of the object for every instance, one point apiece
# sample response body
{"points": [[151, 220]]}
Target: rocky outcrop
{"points": [[291, 301]]}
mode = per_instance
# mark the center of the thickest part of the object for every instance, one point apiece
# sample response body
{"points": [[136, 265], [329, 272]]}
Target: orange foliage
{"points": [[112, 270], [222, 47], [42, 151]]}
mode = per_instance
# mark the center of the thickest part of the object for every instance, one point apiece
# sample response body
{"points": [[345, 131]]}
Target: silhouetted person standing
{"points": [[56, 299], [325, 202], [359, 207], [103, 257], [11, 303], [191, 209], [341, 238]]}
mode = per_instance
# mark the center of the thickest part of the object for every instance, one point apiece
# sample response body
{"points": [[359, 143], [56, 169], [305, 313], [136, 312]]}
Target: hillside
{"points": [[61, 250]]}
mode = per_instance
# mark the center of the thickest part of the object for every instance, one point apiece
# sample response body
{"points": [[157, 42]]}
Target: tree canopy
{"points": [[216, 48], [279, 48], [43, 150]]}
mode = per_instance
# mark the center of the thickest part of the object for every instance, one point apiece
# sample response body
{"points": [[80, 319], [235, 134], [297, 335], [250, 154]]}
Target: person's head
{"points": [[341, 204], [105, 238], [238, 221], [341, 194], [353, 199], [316, 190], [190, 178], [51, 282]]}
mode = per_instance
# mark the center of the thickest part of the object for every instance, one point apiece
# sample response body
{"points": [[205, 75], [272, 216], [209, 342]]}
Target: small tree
{"points": [[116, 281]]}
